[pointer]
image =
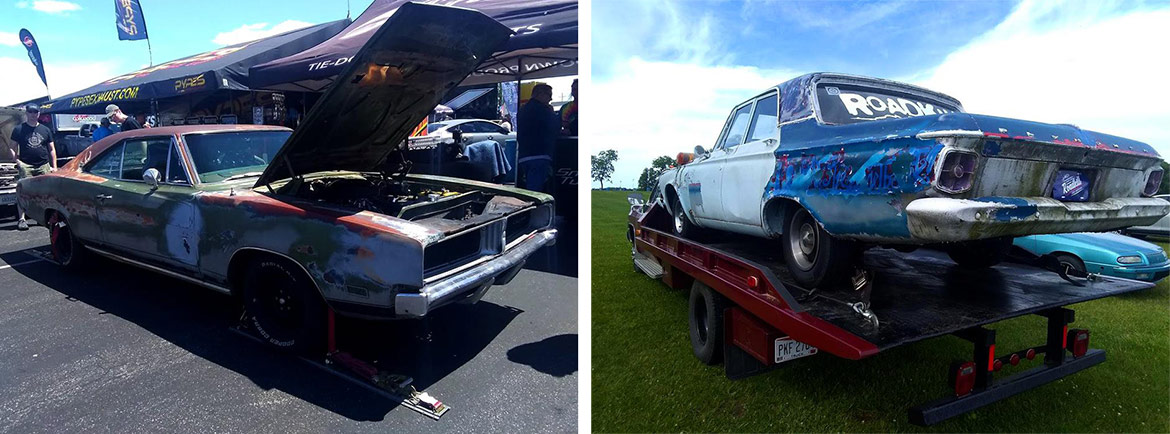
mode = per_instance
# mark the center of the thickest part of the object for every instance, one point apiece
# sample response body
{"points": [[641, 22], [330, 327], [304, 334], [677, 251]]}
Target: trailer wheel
{"points": [[980, 253], [284, 306], [683, 226], [67, 249], [1071, 261], [706, 323], [813, 256]]}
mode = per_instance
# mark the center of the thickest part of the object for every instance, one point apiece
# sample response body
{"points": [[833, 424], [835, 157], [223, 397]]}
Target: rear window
{"points": [[845, 104], [219, 156]]}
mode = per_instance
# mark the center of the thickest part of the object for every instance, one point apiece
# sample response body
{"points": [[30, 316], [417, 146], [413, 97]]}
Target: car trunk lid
{"points": [[393, 82]]}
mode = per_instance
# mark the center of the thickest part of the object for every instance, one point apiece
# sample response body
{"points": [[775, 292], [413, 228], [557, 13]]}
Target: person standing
{"points": [[128, 122], [102, 131], [537, 128], [33, 152]]}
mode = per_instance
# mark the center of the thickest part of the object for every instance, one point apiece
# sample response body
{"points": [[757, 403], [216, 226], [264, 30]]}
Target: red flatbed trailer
{"points": [[897, 299]]}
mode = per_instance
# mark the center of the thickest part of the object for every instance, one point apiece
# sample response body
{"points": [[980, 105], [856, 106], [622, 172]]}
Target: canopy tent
{"points": [[221, 69], [545, 45]]}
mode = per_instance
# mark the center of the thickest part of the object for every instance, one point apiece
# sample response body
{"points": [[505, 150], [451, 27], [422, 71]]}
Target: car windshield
{"points": [[219, 156], [849, 104]]}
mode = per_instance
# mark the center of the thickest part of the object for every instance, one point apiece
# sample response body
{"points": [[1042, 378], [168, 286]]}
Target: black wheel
{"points": [[67, 250], [980, 253], [683, 226], [814, 257], [284, 306], [1070, 261], [706, 323]]}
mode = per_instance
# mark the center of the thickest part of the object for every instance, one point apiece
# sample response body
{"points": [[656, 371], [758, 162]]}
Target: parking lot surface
{"points": [[118, 349]]}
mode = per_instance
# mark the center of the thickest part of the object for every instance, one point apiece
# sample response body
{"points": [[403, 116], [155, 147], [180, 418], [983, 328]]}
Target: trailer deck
{"points": [[923, 294], [763, 319]]}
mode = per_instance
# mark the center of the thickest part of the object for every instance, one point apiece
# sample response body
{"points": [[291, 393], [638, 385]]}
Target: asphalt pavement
{"points": [[119, 349]]}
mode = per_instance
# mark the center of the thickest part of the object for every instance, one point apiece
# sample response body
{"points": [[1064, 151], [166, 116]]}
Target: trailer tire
{"points": [[980, 253], [705, 316], [66, 249], [284, 307], [813, 256]]}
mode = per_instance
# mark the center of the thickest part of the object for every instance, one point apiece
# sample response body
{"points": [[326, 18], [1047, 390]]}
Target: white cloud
{"points": [[251, 32], [663, 108], [1085, 63], [21, 82], [9, 39], [50, 6]]}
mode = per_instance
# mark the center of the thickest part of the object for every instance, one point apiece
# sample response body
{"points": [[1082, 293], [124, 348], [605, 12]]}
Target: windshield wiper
{"points": [[243, 175]]}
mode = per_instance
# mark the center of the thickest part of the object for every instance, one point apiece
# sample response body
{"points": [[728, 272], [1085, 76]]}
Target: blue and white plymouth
{"points": [[830, 164]]}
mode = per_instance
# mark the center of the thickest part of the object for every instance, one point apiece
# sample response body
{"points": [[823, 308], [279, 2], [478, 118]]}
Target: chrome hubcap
{"points": [[802, 239]]}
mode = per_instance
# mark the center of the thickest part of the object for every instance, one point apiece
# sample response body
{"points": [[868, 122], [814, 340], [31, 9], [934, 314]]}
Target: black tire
{"points": [[682, 225], [980, 253], [66, 249], [706, 323], [284, 307], [1071, 261], [813, 256]]}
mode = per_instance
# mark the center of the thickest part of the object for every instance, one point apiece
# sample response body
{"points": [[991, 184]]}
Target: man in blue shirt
{"points": [[537, 128], [102, 131]]}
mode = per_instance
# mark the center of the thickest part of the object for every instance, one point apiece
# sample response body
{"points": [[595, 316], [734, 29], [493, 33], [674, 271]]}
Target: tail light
{"points": [[1153, 182], [1030, 354], [1078, 342], [957, 172], [1014, 359], [962, 377]]}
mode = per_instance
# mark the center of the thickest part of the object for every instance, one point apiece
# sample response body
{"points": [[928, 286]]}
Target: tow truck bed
{"points": [[896, 298], [923, 294]]}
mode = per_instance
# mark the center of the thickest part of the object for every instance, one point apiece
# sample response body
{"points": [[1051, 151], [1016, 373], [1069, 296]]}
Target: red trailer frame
{"points": [[765, 308]]}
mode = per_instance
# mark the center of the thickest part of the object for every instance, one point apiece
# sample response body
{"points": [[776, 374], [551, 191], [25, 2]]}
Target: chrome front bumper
{"points": [[943, 220], [473, 281]]}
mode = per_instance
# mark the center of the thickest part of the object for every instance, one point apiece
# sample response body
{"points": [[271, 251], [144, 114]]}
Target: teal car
{"points": [[1108, 253]]}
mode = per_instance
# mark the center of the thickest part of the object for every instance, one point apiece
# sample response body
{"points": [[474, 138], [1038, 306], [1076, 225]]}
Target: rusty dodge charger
{"points": [[832, 163], [292, 223]]}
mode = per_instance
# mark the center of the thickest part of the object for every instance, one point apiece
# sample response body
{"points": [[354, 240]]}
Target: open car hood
{"points": [[392, 83]]}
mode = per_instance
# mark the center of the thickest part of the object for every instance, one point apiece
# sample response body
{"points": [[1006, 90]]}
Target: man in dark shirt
{"points": [[128, 122], [537, 128], [32, 148]]}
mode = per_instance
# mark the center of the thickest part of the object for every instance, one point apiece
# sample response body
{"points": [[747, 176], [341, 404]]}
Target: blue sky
{"points": [[678, 66], [80, 44]]}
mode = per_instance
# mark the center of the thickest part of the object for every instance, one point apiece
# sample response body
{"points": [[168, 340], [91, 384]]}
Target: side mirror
{"points": [[152, 177], [700, 152]]}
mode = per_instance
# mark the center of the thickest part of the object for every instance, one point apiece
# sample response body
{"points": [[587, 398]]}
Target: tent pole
{"points": [[149, 51]]}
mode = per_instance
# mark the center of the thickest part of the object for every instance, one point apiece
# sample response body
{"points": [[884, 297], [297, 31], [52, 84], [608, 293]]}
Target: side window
{"points": [[142, 154], [739, 126], [175, 172], [109, 164], [764, 120], [477, 127]]}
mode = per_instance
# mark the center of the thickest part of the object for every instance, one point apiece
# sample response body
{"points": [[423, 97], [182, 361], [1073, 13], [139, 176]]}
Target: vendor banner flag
{"points": [[34, 53], [131, 24]]}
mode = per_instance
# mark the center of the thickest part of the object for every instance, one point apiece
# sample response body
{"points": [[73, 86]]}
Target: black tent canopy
{"points": [[544, 45], [220, 69]]}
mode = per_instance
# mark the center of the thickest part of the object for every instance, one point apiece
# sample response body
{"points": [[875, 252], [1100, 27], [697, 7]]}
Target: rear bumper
{"points": [[473, 281], [943, 220]]}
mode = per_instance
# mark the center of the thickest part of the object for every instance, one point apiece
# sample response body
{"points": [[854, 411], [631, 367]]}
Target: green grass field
{"points": [[645, 378]]}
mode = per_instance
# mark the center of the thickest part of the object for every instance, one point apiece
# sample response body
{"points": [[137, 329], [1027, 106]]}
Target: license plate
{"points": [[7, 199], [1070, 186], [788, 349]]}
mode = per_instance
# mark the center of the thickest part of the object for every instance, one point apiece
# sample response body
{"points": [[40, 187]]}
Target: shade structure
{"points": [[220, 69], [544, 45]]}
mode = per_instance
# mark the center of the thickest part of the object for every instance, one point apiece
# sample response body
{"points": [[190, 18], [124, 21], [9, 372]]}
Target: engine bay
{"points": [[444, 207]]}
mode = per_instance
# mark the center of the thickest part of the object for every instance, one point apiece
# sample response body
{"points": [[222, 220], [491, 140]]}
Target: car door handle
{"points": [[103, 197]]}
